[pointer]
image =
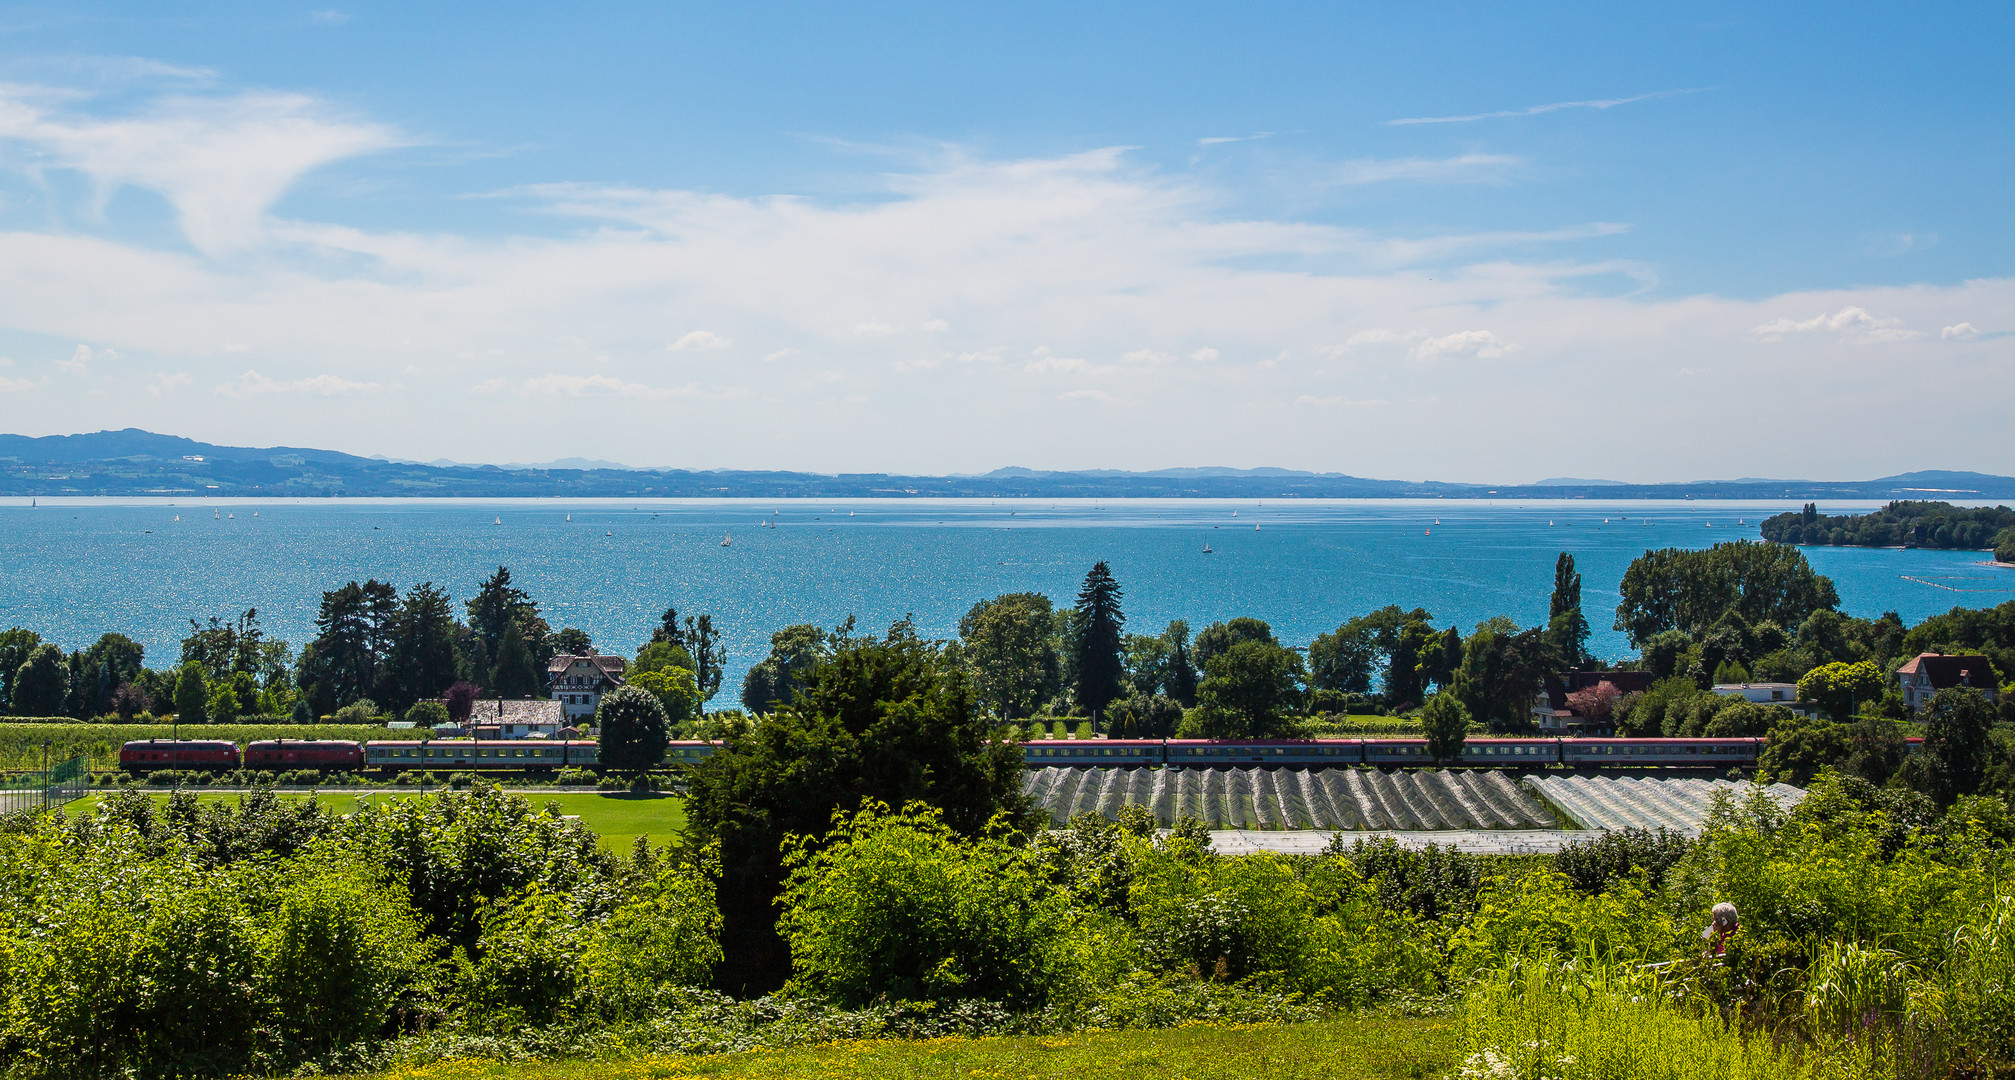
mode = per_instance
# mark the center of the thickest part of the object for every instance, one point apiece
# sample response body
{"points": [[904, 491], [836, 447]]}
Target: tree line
{"points": [[1903, 523], [376, 652]]}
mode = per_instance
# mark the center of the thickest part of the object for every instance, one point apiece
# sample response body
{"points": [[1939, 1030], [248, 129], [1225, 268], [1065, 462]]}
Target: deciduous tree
{"points": [[1010, 644], [1445, 721], [42, 682], [631, 727]]}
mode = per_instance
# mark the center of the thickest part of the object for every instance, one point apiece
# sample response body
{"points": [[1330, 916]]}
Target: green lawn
{"points": [[1359, 1048], [619, 818]]}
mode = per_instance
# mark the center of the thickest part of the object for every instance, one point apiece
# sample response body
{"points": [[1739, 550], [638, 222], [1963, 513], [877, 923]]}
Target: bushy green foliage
{"points": [[895, 903], [632, 725], [1689, 591]]}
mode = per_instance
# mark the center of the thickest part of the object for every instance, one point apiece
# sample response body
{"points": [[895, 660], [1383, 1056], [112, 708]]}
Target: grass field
{"points": [[1362, 1047], [618, 818]]}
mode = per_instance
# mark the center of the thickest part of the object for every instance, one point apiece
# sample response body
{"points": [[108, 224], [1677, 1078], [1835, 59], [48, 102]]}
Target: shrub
{"points": [[338, 956], [428, 715], [894, 903], [360, 711], [569, 777]]}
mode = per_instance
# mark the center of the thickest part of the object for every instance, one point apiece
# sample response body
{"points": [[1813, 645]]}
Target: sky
{"points": [[1466, 242]]}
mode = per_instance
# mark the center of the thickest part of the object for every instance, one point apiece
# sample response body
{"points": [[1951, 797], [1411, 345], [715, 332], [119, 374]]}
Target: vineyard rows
{"points": [[1289, 798], [1618, 802]]}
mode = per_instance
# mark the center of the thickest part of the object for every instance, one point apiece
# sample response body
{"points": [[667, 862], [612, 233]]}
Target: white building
{"points": [[1767, 693], [578, 682]]}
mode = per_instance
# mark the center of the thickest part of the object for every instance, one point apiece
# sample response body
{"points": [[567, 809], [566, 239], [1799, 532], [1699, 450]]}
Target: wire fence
{"points": [[67, 781]]}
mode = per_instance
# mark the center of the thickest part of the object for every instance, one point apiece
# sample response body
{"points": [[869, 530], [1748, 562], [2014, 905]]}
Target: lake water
{"points": [[73, 569]]}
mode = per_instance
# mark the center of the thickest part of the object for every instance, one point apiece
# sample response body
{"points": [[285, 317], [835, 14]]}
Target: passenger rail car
{"points": [[476, 755], [1660, 751], [147, 755], [1507, 753]]}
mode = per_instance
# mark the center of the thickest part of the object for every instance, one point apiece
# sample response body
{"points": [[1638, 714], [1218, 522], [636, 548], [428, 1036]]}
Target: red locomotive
{"points": [[328, 755], [147, 755]]}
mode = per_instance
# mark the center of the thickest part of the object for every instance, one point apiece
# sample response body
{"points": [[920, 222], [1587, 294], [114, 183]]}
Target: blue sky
{"points": [[1468, 242]]}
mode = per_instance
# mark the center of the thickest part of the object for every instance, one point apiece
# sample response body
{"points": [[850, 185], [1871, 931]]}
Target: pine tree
{"points": [[1566, 626], [1100, 667], [516, 674]]}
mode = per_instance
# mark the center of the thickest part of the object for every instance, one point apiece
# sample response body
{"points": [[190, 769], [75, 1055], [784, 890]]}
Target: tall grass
{"points": [[1541, 1019]]}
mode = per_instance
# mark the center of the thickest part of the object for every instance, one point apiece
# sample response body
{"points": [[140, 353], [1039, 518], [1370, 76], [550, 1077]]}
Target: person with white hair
{"points": [[1720, 928]]}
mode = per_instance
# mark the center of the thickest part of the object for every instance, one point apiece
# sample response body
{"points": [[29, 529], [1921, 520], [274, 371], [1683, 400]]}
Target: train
{"points": [[1497, 753], [389, 756], [381, 755]]}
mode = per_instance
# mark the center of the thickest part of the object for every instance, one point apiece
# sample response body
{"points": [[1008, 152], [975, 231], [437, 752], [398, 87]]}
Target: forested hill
{"points": [[134, 462], [1900, 524]]}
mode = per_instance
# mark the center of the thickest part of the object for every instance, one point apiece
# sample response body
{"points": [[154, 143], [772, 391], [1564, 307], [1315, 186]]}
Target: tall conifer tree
{"points": [[1100, 667]]}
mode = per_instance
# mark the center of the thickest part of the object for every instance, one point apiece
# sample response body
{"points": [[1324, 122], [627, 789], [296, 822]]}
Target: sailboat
{"points": [[1437, 521], [727, 540], [499, 521], [570, 517], [1255, 528], [234, 515], [1234, 513], [178, 517], [31, 505], [1206, 547], [216, 515]]}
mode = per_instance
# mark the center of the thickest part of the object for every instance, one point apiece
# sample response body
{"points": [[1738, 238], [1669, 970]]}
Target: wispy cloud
{"points": [[220, 161], [1536, 110], [1337, 400], [1219, 140], [253, 384], [1472, 167], [699, 340]]}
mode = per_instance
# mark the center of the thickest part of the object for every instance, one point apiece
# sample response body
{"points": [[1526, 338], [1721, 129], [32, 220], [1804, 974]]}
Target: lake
{"points": [[73, 569]]}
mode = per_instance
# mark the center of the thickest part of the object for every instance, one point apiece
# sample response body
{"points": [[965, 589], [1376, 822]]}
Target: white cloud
{"points": [[874, 329], [329, 17], [1377, 335], [1851, 322], [12, 386], [164, 383], [1336, 400], [1089, 254], [253, 384], [699, 340], [1099, 396], [1146, 356], [1463, 168], [1204, 355], [1965, 331], [220, 161], [935, 326], [1219, 140], [1481, 344], [1597, 104], [569, 385], [79, 362]]}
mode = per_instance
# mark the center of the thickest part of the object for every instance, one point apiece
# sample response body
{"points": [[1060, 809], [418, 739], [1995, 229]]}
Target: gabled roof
{"points": [[1945, 670], [608, 665]]}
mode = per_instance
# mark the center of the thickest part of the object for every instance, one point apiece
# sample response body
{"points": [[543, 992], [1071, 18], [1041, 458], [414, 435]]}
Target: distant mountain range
{"points": [[134, 462]]}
